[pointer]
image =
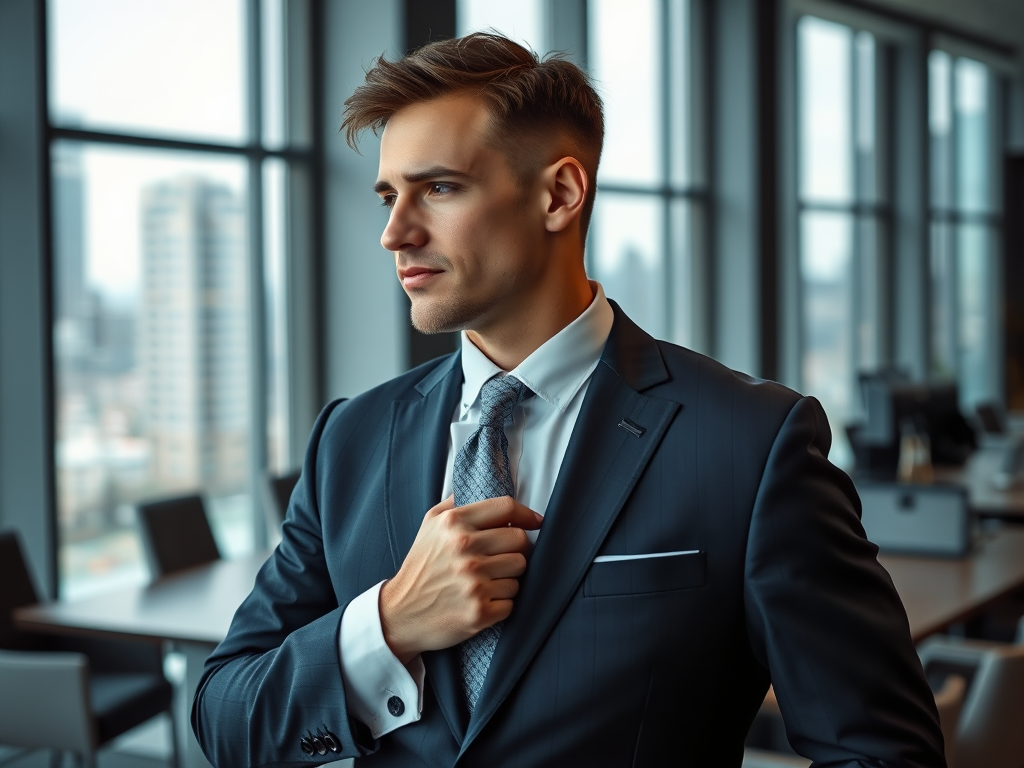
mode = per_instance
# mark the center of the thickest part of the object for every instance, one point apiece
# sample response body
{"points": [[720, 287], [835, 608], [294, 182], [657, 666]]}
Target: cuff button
{"points": [[331, 742], [396, 706], [306, 745]]}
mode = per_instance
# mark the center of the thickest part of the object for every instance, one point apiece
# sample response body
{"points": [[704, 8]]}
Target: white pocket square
{"points": [[646, 556]]}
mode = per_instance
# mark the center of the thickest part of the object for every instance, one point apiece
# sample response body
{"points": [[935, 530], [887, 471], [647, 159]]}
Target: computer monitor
{"points": [[932, 410]]}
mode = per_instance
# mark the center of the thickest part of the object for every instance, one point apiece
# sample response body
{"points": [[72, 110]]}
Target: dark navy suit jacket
{"points": [[649, 662]]}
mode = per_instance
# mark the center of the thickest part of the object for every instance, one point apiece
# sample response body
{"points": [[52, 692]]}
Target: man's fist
{"points": [[459, 577]]}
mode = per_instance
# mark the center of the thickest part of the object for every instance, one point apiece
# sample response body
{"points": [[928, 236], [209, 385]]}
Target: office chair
{"points": [[279, 493], [65, 693], [176, 534], [989, 733], [991, 418], [949, 700]]}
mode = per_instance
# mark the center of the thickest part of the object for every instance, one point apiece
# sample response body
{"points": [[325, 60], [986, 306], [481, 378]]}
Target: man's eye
{"points": [[441, 188], [388, 201]]}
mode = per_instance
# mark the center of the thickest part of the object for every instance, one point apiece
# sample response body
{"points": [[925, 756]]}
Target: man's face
{"points": [[467, 237]]}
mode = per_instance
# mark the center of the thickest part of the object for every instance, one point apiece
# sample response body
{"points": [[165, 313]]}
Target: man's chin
{"points": [[434, 318]]}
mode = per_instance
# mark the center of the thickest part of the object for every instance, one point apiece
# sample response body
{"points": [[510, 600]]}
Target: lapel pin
{"points": [[632, 427]]}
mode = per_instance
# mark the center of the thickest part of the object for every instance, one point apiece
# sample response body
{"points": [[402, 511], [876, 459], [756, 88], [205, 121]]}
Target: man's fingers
{"points": [[497, 541], [498, 610], [510, 565], [503, 589], [501, 511], [444, 506]]}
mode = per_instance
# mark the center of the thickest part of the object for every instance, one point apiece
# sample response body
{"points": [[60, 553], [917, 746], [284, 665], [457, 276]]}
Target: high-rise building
{"points": [[193, 335]]}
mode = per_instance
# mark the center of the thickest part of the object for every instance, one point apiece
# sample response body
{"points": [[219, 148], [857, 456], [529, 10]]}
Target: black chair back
{"points": [[16, 588], [280, 493], [176, 534]]}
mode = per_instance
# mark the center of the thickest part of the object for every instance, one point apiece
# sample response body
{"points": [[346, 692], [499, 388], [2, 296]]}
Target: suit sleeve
{"points": [[276, 678], [825, 618]]}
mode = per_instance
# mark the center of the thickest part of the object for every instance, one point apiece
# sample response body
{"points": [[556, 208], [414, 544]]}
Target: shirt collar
{"points": [[557, 369]]}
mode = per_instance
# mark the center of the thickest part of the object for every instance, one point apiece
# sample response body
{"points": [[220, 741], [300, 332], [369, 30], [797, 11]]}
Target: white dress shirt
{"points": [[558, 372]]}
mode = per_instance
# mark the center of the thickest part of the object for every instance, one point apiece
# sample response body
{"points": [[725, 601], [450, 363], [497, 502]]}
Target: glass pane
{"points": [[681, 149], [625, 57], [944, 302], [276, 287], [869, 304], [170, 67], [151, 349], [522, 21], [825, 118], [828, 323], [973, 147], [866, 94], [683, 309], [625, 256], [273, 30], [976, 317], [940, 124]]}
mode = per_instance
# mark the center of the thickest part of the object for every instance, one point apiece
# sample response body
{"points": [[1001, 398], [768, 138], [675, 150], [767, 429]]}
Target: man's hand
{"points": [[459, 577]]}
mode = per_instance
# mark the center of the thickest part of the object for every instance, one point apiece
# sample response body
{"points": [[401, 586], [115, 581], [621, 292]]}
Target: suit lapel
{"points": [[417, 453], [602, 464]]}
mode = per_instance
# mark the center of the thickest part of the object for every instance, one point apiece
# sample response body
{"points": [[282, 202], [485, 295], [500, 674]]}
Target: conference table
{"points": [[192, 610]]}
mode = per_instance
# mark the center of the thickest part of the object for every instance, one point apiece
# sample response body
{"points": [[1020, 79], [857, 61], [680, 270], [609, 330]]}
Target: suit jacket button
{"points": [[319, 746], [331, 742], [306, 745], [396, 706]]}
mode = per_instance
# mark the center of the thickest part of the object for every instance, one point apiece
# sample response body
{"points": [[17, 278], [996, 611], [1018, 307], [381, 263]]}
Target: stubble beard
{"points": [[445, 315]]}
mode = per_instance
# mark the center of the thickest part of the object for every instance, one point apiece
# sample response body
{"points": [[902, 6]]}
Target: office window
{"points": [[522, 21], [843, 216], [178, 141], [965, 226], [643, 244]]}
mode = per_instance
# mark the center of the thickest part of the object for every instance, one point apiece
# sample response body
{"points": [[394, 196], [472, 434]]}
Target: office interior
{"points": [[825, 193]]}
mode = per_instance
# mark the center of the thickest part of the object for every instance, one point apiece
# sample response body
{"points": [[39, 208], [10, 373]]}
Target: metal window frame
{"points": [[898, 35], [954, 215], [306, 160], [697, 195]]}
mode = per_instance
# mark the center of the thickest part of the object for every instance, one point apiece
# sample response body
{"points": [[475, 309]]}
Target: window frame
{"points": [[303, 249]]}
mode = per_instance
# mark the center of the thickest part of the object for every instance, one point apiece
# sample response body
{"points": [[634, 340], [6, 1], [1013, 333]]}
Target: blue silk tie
{"points": [[482, 471]]}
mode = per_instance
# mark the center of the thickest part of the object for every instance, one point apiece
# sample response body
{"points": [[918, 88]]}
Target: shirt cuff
{"points": [[381, 692]]}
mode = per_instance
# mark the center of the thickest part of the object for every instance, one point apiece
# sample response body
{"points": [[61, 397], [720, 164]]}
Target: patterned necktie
{"points": [[482, 471]]}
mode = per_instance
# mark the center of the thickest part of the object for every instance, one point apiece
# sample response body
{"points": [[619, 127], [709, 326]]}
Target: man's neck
{"points": [[508, 344]]}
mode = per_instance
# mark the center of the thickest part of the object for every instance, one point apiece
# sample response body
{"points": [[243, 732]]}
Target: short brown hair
{"points": [[529, 98]]}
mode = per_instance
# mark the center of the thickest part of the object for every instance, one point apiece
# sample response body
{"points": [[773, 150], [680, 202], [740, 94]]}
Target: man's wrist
{"points": [[391, 627]]}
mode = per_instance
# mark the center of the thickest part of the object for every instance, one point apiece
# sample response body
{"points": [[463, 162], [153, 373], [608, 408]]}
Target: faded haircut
{"points": [[529, 99]]}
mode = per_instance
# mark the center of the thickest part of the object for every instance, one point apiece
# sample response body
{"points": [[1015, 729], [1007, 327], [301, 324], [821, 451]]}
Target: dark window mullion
{"points": [[667, 254], [156, 142], [256, 280]]}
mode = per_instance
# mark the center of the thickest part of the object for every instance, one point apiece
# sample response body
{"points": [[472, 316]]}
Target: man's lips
{"points": [[417, 277]]}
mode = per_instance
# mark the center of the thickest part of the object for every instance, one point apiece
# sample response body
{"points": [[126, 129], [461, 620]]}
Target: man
{"points": [[692, 542]]}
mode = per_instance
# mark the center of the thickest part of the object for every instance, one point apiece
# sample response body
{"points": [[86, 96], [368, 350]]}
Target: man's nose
{"points": [[404, 229]]}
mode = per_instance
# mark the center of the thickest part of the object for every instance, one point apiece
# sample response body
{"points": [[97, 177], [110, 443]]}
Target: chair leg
{"points": [[56, 758], [176, 761]]}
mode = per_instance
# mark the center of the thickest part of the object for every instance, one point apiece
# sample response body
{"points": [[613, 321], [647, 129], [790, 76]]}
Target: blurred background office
{"points": [[828, 193], [190, 266]]}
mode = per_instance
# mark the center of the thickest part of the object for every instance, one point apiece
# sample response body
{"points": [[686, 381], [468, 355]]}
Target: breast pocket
{"points": [[640, 575]]}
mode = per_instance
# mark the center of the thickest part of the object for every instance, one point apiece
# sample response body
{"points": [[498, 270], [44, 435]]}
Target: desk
{"points": [[937, 592], [192, 610], [983, 497]]}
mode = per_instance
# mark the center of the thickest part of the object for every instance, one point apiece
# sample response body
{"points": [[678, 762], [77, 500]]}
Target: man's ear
{"points": [[566, 184]]}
